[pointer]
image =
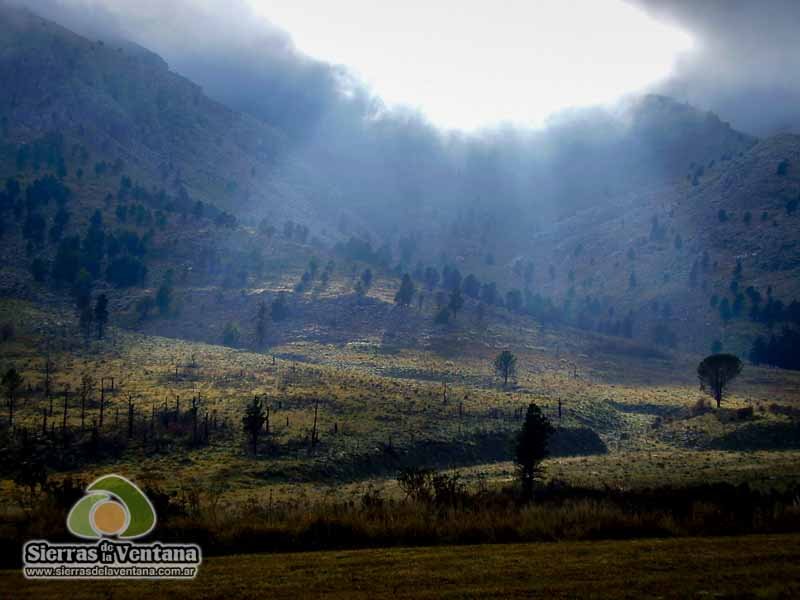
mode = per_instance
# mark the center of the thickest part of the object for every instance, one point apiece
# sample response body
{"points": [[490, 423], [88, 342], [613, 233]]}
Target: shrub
{"points": [[701, 407]]}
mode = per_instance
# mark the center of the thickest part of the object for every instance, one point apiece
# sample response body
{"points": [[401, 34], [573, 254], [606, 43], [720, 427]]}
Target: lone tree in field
{"points": [[12, 381], [406, 292], [253, 422], [531, 448], [715, 372], [505, 365]]}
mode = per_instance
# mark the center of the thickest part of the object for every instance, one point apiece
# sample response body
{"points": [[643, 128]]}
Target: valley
{"points": [[369, 344]]}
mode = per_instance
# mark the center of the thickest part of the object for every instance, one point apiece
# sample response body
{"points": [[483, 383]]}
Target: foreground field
{"points": [[753, 566]]}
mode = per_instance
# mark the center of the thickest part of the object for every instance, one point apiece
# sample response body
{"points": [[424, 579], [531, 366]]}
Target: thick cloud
{"points": [[745, 63], [743, 66]]}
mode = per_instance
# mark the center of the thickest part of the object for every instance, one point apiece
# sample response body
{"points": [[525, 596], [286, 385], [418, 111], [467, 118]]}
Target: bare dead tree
{"points": [[194, 421], [314, 435], [48, 370], [66, 399], [87, 385], [102, 403], [130, 416]]}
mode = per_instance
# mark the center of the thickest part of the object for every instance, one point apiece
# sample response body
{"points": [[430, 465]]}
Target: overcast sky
{"points": [[472, 63], [468, 63]]}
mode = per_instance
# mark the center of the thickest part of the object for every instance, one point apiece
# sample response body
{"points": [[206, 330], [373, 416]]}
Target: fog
{"points": [[390, 163], [746, 60]]}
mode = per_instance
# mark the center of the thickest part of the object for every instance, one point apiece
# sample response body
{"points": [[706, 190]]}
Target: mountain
{"points": [[639, 221], [123, 102], [671, 254]]}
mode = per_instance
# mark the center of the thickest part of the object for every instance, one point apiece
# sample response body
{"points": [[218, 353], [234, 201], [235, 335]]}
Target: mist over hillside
{"points": [[363, 156], [576, 207]]}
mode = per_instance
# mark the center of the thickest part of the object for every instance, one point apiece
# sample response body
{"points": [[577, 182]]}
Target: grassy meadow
{"points": [[373, 400]]}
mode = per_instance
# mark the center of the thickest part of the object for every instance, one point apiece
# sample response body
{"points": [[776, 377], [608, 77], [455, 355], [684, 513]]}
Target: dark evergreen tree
{"points": [[514, 300], [456, 301], [489, 293], [164, 295], [451, 278], [34, 228], [39, 270], [366, 279], [406, 292], [440, 298], [531, 449], [279, 309], [253, 422], [93, 245], [472, 287], [442, 316], [101, 314], [431, 278]]}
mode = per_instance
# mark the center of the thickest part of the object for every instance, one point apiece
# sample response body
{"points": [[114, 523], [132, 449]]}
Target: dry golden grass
{"points": [[374, 395], [753, 566]]}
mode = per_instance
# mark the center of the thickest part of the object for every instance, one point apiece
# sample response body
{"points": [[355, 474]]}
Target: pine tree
{"points": [[101, 314], [406, 292], [531, 448], [253, 422], [456, 301]]}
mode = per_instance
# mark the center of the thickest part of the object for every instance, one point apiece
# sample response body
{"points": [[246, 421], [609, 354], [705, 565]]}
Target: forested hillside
{"points": [[655, 221]]}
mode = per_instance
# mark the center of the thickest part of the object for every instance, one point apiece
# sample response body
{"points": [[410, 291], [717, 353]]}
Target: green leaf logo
{"points": [[112, 506]]}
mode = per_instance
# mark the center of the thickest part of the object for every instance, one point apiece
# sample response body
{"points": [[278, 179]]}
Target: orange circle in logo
{"points": [[109, 518]]}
